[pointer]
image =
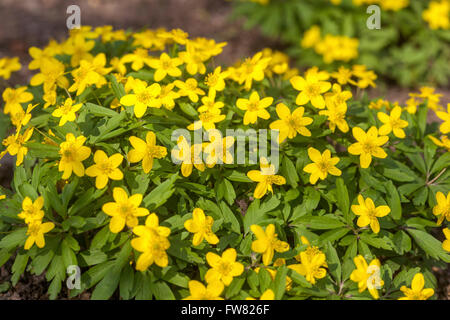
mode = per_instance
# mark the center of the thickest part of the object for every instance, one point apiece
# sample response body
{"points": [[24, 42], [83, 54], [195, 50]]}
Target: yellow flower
{"points": [[52, 73], [199, 292], [416, 292], [200, 225], [437, 15], [366, 77], [311, 37], [105, 168], [8, 66], [337, 48], [21, 118], [164, 66], [254, 107], [194, 59], [190, 156], [67, 111], [207, 121], [167, 96], [189, 88], [152, 242], [13, 98], [446, 242], [223, 268], [310, 266], [15, 145], [343, 76], [336, 115], [267, 242], [444, 142], [143, 96], [265, 178], [411, 105], [368, 145], [322, 165], [72, 154], [252, 69], [216, 80], [368, 213], [267, 295], [32, 211], [367, 276], [35, 232], [175, 35], [78, 49], [217, 151], [125, 210], [428, 93], [442, 208], [210, 104], [445, 117], [289, 124], [311, 89], [392, 123], [146, 151], [139, 57], [90, 73]]}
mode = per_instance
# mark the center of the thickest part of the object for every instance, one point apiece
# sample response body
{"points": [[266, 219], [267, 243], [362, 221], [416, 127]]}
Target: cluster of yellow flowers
{"points": [[8, 66], [182, 75], [331, 47], [33, 215], [437, 15]]}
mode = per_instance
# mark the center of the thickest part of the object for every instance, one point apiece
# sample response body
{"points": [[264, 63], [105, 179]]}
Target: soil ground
{"points": [[35, 22]]}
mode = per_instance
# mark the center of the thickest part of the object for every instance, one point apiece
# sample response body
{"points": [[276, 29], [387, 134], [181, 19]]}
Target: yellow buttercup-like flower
{"points": [[32, 211], [146, 151], [199, 292], [138, 59], [223, 268], [437, 15], [67, 111], [322, 165], [143, 97], [207, 120], [15, 145], [368, 213], [216, 80], [189, 88], [125, 210], [190, 156], [368, 145], [289, 124], [35, 232], [72, 154], [417, 292], [8, 66], [254, 107], [105, 168], [200, 225], [311, 267], [445, 117], [367, 276], [392, 123], [444, 142], [164, 66], [442, 208], [267, 242], [152, 242], [311, 89], [13, 98], [265, 177]]}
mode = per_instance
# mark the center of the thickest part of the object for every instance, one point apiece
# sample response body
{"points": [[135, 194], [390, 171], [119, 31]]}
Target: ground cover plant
{"points": [[356, 207], [411, 37]]}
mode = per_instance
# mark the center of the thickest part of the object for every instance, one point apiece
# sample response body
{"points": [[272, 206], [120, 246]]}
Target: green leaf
{"points": [[343, 198], [14, 239], [161, 291], [289, 172], [99, 111], [158, 196], [443, 162], [393, 200], [320, 223], [429, 244], [229, 216]]}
